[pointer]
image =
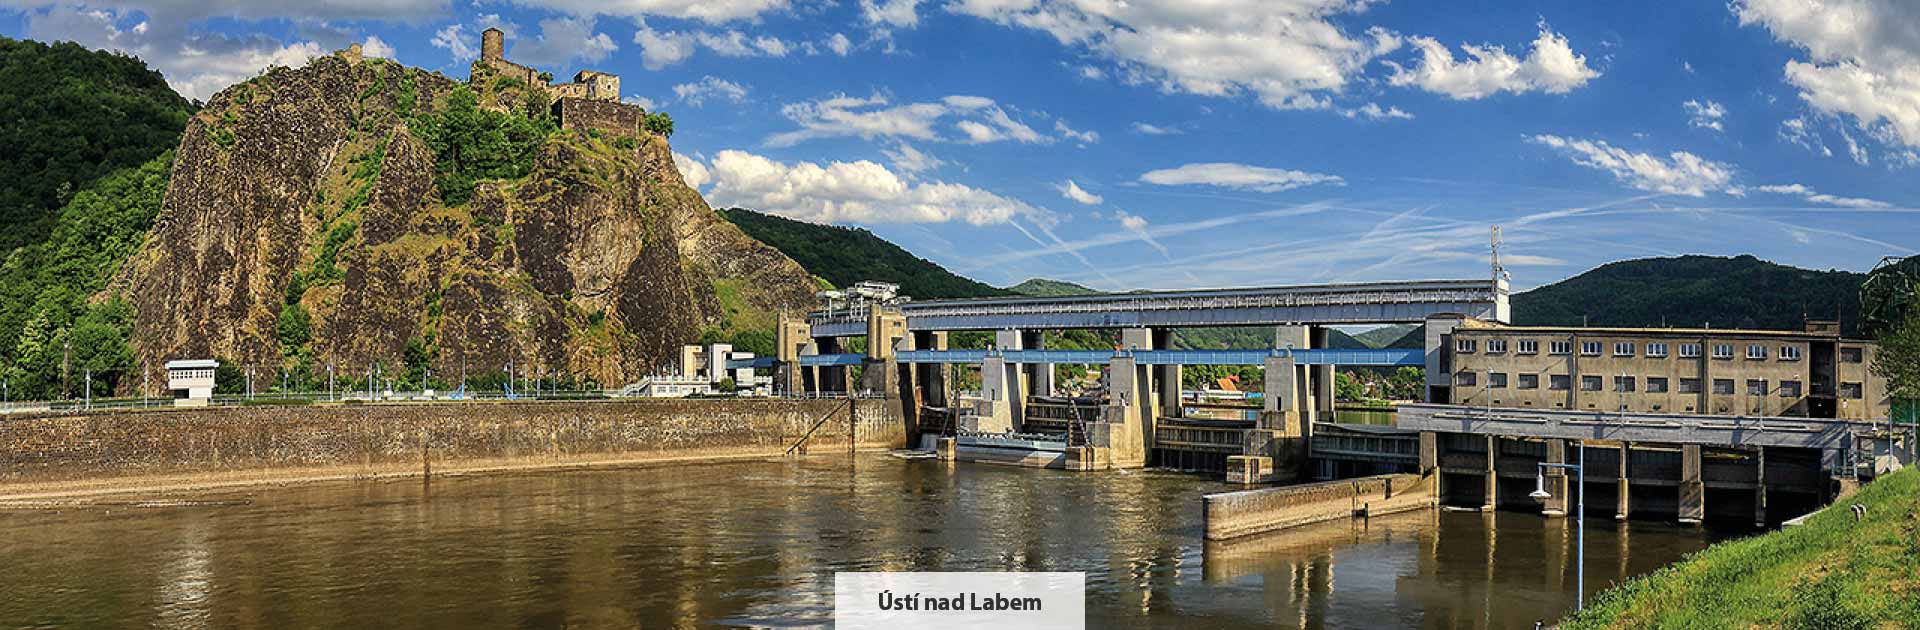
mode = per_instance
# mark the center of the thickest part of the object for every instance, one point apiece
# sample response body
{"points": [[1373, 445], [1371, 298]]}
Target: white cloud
{"points": [[1156, 130], [1551, 67], [1084, 137], [710, 11], [839, 44], [454, 38], [896, 13], [1138, 226], [196, 64], [1799, 131], [1241, 176], [692, 171], [856, 192], [1073, 191], [912, 160], [1705, 115], [561, 40], [375, 47], [636, 99], [1801, 190], [1287, 53], [978, 119], [659, 49], [1373, 111], [707, 87], [1863, 58], [1681, 173]]}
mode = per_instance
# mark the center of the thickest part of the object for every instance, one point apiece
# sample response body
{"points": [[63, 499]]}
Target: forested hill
{"points": [[73, 115], [843, 256], [1042, 287], [1692, 291]]}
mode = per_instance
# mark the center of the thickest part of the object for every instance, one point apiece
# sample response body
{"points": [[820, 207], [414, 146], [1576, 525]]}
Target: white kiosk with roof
{"points": [[191, 381]]}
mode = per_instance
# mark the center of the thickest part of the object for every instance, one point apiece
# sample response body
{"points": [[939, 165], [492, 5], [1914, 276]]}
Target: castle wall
{"points": [[610, 117]]}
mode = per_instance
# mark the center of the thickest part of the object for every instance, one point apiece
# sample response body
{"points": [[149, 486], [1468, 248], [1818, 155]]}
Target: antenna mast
{"points": [[1497, 271]]}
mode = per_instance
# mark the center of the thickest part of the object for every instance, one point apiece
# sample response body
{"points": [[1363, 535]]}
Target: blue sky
{"points": [[1201, 143]]}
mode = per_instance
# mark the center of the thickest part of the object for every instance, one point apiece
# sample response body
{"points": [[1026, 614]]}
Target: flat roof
{"points": [[192, 364], [1688, 332]]}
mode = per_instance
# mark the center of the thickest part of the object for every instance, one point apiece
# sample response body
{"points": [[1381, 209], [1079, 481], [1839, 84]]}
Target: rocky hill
{"points": [[356, 212]]}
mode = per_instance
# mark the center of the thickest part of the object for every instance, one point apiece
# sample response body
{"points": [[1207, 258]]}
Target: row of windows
{"points": [[187, 374], [1654, 384], [1654, 350]]}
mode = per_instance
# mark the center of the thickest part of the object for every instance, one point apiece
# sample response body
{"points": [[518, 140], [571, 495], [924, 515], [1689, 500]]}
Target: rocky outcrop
{"points": [[303, 196]]}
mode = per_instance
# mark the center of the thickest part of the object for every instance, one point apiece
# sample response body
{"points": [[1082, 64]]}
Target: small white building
{"points": [[192, 381], [701, 369]]}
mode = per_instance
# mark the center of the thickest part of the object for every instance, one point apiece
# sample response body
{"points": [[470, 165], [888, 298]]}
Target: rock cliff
{"points": [[302, 227]]}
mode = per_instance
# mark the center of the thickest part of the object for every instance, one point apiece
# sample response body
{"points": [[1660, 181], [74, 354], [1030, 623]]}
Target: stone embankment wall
{"points": [[1234, 514], [156, 450]]}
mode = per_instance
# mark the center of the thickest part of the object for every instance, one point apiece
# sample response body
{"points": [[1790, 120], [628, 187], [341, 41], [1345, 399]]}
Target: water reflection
{"points": [[756, 544]]}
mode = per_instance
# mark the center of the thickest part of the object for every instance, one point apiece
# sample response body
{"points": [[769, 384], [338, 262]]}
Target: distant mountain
{"points": [[843, 256], [1042, 287], [1386, 336], [1694, 291]]}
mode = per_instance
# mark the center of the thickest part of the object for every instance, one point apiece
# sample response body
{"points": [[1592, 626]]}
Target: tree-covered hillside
{"points": [[1693, 291], [843, 256], [1042, 287], [73, 115]]}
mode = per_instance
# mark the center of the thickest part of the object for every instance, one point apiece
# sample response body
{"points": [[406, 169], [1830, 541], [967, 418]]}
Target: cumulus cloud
{"points": [[659, 49], [692, 171], [1680, 173], [1805, 192], [1551, 67], [561, 41], [1861, 60], [1156, 130], [1373, 111], [1073, 191], [1290, 54], [1240, 176], [710, 86], [978, 120], [900, 13], [375, 47], [839, 44], [1705, 114], [853, 192], [196, 64]]}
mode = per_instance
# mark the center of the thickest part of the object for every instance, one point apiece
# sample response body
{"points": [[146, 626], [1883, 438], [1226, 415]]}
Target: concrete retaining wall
{"points": [[79, 454], [1234, 514]]}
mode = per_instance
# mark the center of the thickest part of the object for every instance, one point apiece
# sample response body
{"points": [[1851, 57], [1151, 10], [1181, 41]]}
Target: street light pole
{"points": [[1580, 514]]}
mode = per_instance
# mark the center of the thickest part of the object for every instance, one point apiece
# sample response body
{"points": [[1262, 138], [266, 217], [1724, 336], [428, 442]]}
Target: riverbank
{"points": [[1831, 572], [74, 456]]}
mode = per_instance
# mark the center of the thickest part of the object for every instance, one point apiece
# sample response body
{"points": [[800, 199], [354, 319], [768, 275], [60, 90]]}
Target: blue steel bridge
{"points": [[1356, 357]]}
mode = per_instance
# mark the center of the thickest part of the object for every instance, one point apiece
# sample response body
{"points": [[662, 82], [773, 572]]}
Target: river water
{"points": [[755, 544]]}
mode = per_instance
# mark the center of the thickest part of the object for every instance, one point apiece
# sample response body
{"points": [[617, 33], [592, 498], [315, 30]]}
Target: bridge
{"points": [[1386, 357], [1323, 304]]}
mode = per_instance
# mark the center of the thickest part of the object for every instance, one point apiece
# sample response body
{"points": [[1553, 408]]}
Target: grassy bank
{"points": [[1832, 572]]}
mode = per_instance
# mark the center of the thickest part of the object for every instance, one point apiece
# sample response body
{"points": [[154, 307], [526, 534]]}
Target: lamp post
{"points": [[1540, 494]]}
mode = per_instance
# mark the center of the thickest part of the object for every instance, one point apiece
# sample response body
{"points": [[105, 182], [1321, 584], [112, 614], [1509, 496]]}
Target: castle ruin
{"points": [[591, 101]]}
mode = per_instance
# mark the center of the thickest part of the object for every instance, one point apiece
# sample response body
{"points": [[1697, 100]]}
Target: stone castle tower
{"points": [[591, 100]]}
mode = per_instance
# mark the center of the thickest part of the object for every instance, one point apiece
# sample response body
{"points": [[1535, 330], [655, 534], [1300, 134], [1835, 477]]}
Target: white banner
{"points": [[937, 601]]}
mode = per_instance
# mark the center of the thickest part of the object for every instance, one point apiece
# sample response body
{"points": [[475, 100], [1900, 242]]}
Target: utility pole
{"points": [[89, 398], [249, 381], [330, 382]]}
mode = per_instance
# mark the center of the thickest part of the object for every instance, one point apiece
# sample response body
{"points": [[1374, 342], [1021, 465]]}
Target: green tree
{"points": [[471, 144], [1898, 358], [660, 123], [1347, 387]]}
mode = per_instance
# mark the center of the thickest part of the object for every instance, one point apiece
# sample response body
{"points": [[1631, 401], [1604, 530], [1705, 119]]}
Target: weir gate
{"points": [[1676, 466]]}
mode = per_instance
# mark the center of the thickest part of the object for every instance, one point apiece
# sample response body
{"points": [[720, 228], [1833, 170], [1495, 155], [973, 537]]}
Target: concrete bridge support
{"points": [[930, 379], [1305, 385], [1017, 384], [1622, 498], [1122, 437], [1169, 377], [994, 413], [1491, 476], [1323, 402], [1039, 375], [1556, 480], [1276, 448], [1693, 492]]}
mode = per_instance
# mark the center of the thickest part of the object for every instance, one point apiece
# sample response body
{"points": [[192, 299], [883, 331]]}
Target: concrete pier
{"points": [[1693, 493]]}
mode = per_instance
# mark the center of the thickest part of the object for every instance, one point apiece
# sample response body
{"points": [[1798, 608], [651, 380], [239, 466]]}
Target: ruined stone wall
{"points": [[360, 440], [607, 116]]}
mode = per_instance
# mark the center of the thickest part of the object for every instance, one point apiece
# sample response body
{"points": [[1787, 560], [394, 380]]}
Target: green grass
{"points": [[1831, 572]]}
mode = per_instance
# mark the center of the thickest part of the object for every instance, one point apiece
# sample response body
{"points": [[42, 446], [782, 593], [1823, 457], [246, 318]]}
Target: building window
{"points": [[1658, 384], [1689, 386], [1623, 348], [1723, 386], [1589, 383], [1464, 345], [1789, 389], [1529, 381], [1789, 353], [1496, 346], [1852, 390], [1528, 346], [1756, 387], [1558, 382], [1689, 351], [1622, 383], [1657, 350], [1722, 351], [1497, 380], [1756, 352], [1589, 348], [1850, 355], [1464, 379], [1560, 347]]}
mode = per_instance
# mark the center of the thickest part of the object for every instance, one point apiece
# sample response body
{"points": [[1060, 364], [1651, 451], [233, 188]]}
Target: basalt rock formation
{"points": [[302, 228]]}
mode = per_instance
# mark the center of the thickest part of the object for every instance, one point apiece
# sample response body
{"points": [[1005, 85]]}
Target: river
{"points": [[755, 544]]}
